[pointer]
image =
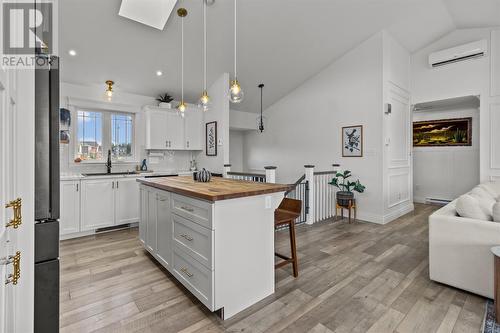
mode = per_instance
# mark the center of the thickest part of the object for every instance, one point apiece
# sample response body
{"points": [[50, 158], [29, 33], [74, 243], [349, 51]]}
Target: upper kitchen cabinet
{"points": [[167, 130], [193, 124]]}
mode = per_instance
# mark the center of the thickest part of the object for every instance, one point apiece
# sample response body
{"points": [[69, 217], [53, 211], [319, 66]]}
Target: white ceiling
{"points": [[281, 42]]}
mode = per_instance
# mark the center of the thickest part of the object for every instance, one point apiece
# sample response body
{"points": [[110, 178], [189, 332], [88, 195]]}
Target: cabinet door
{"points": [[193, 130], [151, 221], [143, 222], [164, 229], [156, 128], [175, 131], [97, 203], [69, 221], [127, 201]]}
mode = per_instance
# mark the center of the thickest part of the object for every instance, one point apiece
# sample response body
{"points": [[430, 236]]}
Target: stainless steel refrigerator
{"points": [[47, 195]]}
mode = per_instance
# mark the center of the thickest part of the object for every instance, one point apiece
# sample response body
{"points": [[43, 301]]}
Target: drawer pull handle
{"points": [[16, 263], [187, 209], [187, 237], [17, 220], [185, 271]]}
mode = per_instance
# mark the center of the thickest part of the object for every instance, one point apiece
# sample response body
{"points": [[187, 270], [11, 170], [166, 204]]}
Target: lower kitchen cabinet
{"points": [[126, 201], [97, 203], [69, 220], [151, 222], [164, 229]]}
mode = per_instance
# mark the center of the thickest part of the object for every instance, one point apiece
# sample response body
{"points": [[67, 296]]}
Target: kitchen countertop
{"points": [[78, 176], [217, 189]]}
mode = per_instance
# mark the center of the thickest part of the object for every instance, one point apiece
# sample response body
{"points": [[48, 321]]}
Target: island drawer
{"points": [[195, 210], [195, 277], [194, 239]]}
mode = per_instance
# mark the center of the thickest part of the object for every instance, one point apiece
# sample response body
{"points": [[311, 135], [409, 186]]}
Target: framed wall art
{"points": [[211, 138], [352, 141]]}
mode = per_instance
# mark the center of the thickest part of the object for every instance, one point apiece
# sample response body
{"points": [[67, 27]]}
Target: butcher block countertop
{"points": [[217, 189]]}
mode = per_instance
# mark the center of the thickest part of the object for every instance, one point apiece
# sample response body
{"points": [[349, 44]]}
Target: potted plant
{"points": [[346, 187], [165, 101]]}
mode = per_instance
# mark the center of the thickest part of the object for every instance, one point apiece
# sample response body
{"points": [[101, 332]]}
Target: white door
{"points": [[164, 229], [127, 201], [69, 221], [193, 130], [97, 203], [16, 181], [156, 129], [175, 131]]}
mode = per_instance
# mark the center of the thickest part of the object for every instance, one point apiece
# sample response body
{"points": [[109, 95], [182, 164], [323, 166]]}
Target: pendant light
{"points": [[204, 103], [260, 120], [109, 89], [235, 92], [182, 12]]}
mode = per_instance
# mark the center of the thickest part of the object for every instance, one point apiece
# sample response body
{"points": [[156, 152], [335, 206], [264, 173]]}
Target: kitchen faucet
{"points": [[108, 163]]}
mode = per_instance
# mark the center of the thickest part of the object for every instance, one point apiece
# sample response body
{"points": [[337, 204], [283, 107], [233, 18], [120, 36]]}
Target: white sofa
{"points": [[459, 247]]}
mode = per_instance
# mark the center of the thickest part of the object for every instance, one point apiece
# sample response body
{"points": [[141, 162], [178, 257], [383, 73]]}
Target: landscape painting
{"points": [[445, 132]]}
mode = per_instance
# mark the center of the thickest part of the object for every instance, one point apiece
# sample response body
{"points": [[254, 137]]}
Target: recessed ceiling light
{"points": [[72, 53], [159, 73]]}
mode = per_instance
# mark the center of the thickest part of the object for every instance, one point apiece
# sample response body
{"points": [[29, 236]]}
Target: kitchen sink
{"points": [[110, 174]]}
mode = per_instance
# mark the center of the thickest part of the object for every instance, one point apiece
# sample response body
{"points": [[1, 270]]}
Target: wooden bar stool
{"points": [[285, 215]]}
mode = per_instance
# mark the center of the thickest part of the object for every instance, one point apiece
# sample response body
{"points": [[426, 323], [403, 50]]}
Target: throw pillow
{"points": [[496, 212], [492, 188], [468, 206]]}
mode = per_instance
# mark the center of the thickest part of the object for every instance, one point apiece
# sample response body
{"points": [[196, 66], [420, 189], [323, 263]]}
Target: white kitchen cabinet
{"points": [[143, 226], [156, 129], [69, 220], [164, 229], [193, 134], [97, 203], [151, 223], [126, 201], [175, 131]]}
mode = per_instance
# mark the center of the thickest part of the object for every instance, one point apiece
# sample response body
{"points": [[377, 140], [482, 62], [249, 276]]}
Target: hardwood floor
{"points": [[353, 278]]}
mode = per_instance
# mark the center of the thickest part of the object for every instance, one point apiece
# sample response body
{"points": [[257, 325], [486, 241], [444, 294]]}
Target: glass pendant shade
{"points": [[235, 92], [204, 102], [182, 108]]}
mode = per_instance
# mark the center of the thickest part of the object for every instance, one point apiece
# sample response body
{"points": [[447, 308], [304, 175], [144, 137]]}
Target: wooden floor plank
{"points": [[359, 277]]}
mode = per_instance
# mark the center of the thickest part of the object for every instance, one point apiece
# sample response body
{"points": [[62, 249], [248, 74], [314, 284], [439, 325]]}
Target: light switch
{"points": [[219, 142]]}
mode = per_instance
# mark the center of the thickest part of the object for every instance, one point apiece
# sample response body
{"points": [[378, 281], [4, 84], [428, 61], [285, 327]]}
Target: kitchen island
{"points": [[216, 238]]}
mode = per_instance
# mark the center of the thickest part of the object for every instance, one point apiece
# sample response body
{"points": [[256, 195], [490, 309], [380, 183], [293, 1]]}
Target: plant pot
{"points": [[165, 105], [343, 198]]}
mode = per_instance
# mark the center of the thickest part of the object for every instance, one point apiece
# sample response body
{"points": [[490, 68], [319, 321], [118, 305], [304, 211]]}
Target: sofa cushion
{"points": [[496, 212], [469, 206], [493, 188]]}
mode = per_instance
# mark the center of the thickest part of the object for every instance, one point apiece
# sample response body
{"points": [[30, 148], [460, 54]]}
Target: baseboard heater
{"points": [[113, 228], [434, 201]]}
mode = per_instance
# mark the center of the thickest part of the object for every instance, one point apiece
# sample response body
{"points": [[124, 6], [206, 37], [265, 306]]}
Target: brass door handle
{"points": [[16, 263], [185, 271], [16, 206], [187, 209]]}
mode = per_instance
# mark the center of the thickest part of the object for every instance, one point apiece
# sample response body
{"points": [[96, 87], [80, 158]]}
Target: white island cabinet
{"points": [[216, 238]]}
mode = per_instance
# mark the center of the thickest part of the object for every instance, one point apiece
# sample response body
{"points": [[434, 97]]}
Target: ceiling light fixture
{"points": [[182, 12], [204, 102], [159, 73], [260, 120], [235, 92], [72, 53], [109, 89]]}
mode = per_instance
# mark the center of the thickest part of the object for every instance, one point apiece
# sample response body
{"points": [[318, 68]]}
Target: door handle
{"points": [[16, 206], [113, 184], [77, 187], [15, 260], [117, 184]]}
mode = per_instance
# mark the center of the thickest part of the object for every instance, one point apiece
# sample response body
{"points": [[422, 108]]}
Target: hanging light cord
{"points": [[205, 45], [261, 89], [235, 75], [182, 60]]}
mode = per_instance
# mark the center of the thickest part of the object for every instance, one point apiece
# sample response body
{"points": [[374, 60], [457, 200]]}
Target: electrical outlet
{"points": [[219, 142]]}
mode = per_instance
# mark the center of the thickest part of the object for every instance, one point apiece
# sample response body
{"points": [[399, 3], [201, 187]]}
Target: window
{"points": [[100, 131], [89, 135], [121, 136]]}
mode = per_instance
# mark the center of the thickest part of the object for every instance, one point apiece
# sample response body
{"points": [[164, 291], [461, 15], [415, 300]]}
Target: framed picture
{"points": [[352, 141], [211, 138], [443, 133]]}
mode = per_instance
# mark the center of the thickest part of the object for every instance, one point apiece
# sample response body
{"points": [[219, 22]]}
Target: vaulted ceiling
{"points": [[280, 42]]}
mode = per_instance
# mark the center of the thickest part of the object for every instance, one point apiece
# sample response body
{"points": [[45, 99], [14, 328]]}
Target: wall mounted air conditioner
{"points": [[459, 53]]}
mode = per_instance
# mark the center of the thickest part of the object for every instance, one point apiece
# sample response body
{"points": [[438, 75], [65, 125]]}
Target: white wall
{"points": [[446, 172], [77, 95], [472, 77], [236, 150], [219, 112], [304, 127], [240, 120]]}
